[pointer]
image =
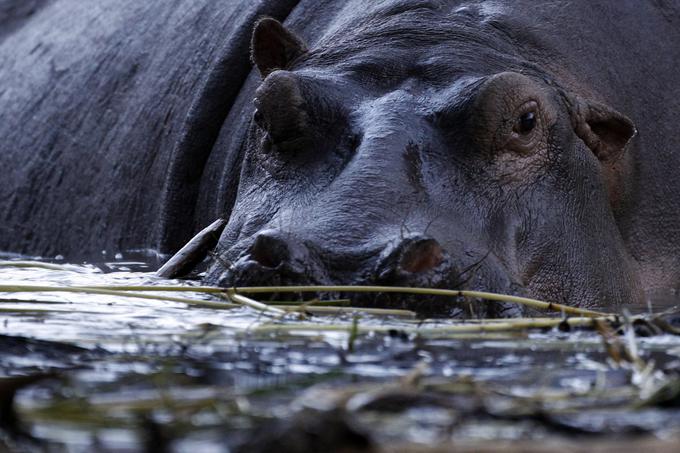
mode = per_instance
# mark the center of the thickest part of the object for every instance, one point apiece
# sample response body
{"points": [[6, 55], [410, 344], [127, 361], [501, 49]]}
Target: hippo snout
{"points": [[275, 258]]}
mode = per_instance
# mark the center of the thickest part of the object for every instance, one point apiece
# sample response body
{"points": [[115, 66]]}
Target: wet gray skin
{"points": [[390, 154], [476, 144]]}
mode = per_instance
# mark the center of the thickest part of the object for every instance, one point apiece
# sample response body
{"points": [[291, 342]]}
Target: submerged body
{"points": [[514, 147]]}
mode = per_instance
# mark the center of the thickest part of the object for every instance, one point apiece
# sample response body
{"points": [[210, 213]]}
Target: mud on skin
{"points": [[511, 147]]}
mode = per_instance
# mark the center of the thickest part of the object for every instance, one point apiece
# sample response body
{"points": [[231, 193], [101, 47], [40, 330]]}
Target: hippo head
{"points": [[415, 148]]}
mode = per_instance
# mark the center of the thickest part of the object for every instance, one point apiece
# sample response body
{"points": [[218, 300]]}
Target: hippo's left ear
{"points": [[603, 129], [273, 46]]}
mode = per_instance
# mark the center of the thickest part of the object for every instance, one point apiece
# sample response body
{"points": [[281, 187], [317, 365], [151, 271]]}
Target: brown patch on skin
{"points": [[422, 257], [274, 47]]}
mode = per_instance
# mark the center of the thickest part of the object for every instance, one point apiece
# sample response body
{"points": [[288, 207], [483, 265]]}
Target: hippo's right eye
{"points": [[526, 123], [512, 113], [526, 119], [526, 129]]}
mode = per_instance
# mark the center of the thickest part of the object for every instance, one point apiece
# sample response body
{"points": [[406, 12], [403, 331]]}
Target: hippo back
{"points": [[109, 110]]}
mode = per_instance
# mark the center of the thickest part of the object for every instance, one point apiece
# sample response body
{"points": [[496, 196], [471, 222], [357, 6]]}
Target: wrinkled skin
{"points": [[502, 146], [398, 152], [116, 120]]}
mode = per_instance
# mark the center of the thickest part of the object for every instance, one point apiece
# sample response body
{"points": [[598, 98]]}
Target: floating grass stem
{"points": [[316, 303], [243, 300], [353, 333], [532, 303], [110, 292]]}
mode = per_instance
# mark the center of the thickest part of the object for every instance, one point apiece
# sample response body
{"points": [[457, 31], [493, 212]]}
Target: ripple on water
{"points": [[139, 351]]}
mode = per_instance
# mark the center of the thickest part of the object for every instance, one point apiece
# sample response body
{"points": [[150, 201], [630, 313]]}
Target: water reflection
{"points": [[208, 375]]}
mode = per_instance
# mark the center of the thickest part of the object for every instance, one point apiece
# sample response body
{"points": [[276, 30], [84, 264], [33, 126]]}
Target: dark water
{"points": [[116, 374]]}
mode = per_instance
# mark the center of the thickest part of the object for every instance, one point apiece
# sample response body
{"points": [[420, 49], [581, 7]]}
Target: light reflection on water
{"points": [[108, 321], [112, 321], [132, 339]]}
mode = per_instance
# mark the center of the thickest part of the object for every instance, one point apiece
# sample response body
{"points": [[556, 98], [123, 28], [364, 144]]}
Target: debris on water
{"points": [[193, 252], [129, 373]]}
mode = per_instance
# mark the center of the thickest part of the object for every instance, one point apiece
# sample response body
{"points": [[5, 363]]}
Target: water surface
{"points": [[123, 371]]}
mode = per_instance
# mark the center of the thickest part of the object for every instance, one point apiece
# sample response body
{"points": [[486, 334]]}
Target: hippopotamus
{"points": [[521, 147]]}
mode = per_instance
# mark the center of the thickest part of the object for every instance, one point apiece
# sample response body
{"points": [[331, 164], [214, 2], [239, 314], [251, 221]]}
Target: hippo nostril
{"points": [[421, 256], [415, 260], [269, 251]]}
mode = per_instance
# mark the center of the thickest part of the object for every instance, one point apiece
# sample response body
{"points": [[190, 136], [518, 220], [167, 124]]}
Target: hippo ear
{"points": [[273, 46], [603, 129]]}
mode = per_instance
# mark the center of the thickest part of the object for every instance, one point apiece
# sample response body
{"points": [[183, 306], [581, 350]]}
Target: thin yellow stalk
{"points": [[533, 303], [316, 302], [159, 288], [243, 300], [110, 292]]}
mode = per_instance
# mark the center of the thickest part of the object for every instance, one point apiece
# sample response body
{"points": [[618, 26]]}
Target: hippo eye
{"points": [[526, 123], [525, 130]]}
